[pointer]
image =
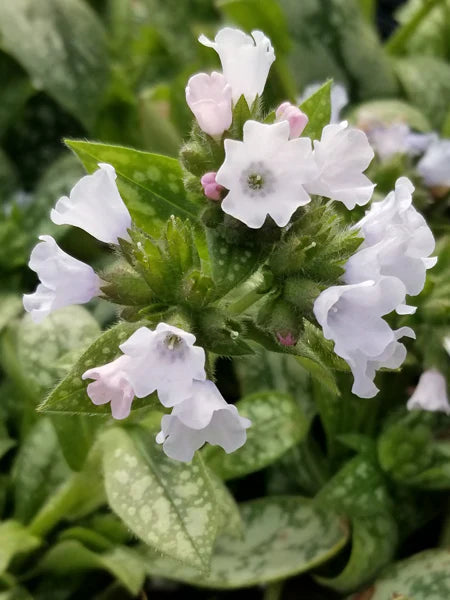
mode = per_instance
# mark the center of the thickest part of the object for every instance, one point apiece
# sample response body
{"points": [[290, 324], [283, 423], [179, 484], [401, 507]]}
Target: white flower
{"points": [[351, 316], [265, 174], [64, 280], [434, 166], [397, 242], [339, 98], [397, 138], [95, 205], [341, 157], [430, 393], [245, 59], [209, 98], [111, 385], [205, 417], [165, 360]]}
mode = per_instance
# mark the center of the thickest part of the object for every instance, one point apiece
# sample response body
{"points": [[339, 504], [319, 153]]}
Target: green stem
{"points": [[241, 305], [274, 590], [397, 43]]}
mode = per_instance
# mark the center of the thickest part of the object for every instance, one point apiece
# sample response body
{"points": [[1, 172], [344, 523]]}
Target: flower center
{"points": [[257, 180], [173, 341]]}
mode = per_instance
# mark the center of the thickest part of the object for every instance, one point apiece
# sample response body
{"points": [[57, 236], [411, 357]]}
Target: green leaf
{"points": [[390, 111], [423, 576], [426, 83], [168, 504], [232, 263], [70, 395], [277, 425], [283, 536], [38, 470], [318, 109], [70, 556], [357, 490], [62, 45], [14, 539], [76, 435], [16, 593], [374, 541], [151, 185], [39, 346], [228, 514], [78, 496]]}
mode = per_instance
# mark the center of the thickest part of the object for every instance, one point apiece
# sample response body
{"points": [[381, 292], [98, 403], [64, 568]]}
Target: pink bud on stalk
{"points": [[211, 188], [294, 116]]}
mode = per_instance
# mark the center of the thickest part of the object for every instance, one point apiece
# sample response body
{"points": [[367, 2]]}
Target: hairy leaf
{"points": [[283, 536], [318, 109], [169, 505]]}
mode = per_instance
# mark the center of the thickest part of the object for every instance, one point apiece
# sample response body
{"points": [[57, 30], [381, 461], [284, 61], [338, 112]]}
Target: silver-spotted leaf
{"points": [[151, 185], [424, 576], [168, 504], [277, 425], [283, 536]]}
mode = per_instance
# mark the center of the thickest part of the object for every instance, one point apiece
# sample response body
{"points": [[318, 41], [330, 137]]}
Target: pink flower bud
{"points": [[286, 340], [209, 98], [296, 118], [211, 188]]}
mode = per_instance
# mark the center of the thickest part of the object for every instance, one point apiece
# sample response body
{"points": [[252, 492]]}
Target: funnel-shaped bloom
{"points": [[430, 393], [64, 280], [205, 417], [95, 205], [246, 60]]}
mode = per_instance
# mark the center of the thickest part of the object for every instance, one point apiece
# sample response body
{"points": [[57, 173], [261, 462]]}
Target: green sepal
{"points": [[123, 285], [220, 334]]}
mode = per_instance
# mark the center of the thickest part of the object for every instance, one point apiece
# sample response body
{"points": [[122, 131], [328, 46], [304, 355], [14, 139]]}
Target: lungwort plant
{"points": [[252, 247]]}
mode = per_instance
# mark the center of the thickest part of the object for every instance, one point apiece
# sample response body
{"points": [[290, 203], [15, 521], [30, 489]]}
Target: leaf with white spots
{"points": [[39, 347], [70, 395], [232, 263], [424, 576], [70, 556], [283, 536], [151, 185], [277, 425], [359, 492], [14, 539], [38, 470], [169, 505]]}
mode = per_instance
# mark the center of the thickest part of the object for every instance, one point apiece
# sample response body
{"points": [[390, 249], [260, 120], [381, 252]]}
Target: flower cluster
{"points": [[273, 171], [391, 263], [167, 361]]}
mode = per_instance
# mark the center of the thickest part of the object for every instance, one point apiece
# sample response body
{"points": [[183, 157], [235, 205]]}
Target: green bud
{"points": [[217, 333], [123, 285], [196, 158], [302, 293]]}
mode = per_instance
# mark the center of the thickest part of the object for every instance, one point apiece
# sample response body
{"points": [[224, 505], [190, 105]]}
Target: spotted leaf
{"points": [[169, 505], [283, 536], [424, 576], [277, 425]]}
